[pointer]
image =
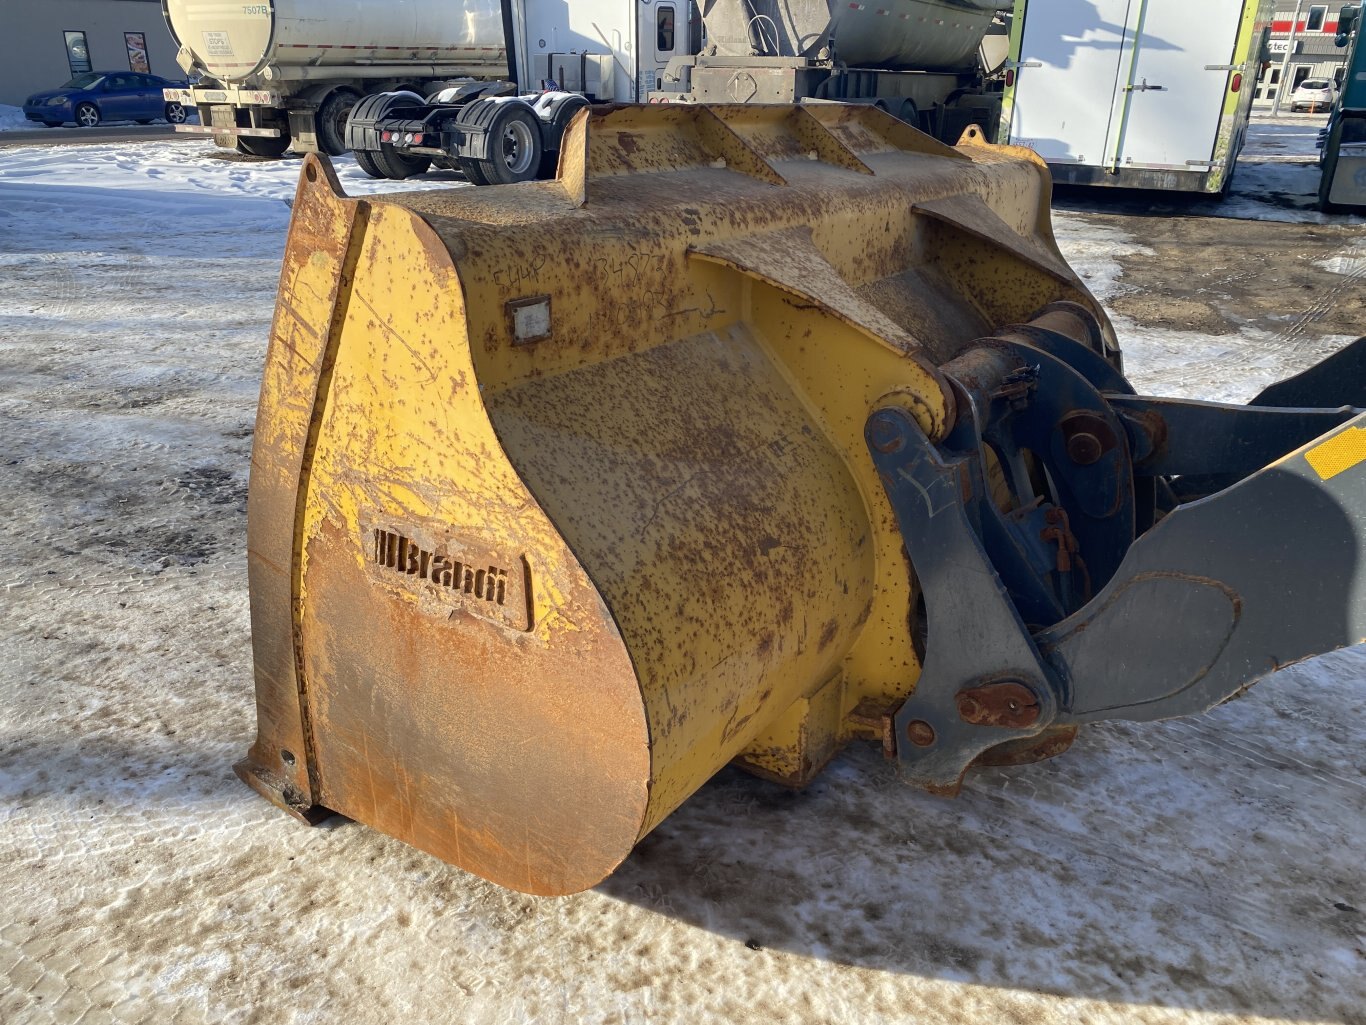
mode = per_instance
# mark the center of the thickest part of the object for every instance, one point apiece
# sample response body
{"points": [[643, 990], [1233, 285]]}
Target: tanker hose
{"points": [[762, 47]]}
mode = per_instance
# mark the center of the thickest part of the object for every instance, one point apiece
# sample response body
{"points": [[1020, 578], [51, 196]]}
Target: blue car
{"points": [[99, 96]]}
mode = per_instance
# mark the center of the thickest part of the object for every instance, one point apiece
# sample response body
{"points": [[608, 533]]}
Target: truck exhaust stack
{"points": [[757, 431]]}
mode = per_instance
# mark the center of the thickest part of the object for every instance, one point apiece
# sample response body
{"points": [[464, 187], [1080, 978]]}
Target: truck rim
{"points": [[517, 146]]}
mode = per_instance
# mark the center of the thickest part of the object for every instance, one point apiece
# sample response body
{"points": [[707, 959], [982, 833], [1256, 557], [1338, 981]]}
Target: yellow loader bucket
{"points": [[563, 495]]}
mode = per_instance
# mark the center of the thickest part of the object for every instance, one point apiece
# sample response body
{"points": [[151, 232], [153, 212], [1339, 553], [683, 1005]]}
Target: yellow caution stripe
{"points": [[1339, 453]]}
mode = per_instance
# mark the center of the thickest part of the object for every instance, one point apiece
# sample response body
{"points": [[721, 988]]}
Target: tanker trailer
{"points": [[288, 72], [760, 430], [921, 60]]}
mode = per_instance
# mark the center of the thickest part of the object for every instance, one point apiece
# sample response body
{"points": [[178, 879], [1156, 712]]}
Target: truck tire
{"points": [[471, 170], [910, 113], [1324, 204], [331, 120], [396, 165], [367, 163], [258, 146], [513, 142]]}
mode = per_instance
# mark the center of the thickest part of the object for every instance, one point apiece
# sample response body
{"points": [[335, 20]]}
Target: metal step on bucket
{"points": [[758, 431]]}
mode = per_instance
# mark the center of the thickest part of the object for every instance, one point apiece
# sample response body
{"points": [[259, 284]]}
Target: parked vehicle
{"points": [[1313, 94], [1137, 95], [1343, 159], [444, 82], [98, 96]]}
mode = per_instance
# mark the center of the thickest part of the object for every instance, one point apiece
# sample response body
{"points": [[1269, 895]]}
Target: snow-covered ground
{"points": [[1200, 871]]}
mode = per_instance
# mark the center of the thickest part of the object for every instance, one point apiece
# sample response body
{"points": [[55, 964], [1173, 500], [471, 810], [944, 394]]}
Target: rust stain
{"points": [[1007, 704], [1050, 743]]}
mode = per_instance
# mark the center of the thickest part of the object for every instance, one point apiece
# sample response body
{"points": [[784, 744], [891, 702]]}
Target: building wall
{"points": [[34, 47], [1314, 54]]}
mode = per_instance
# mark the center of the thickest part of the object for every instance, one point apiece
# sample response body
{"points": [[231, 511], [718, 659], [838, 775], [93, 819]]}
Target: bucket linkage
{"points": [[1218, 544]]}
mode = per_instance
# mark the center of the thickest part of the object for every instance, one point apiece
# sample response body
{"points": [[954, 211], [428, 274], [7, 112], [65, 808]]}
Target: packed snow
{"points": [[12, 118], [1206, 871]]}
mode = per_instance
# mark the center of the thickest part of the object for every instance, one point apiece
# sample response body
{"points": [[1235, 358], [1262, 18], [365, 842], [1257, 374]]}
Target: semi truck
{"points": [[290, 73], [1134, 93], [1343, 157]]}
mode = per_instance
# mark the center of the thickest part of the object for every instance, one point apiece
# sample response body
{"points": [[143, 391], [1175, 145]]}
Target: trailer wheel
{"points": [[259, 146], [367, 163], [471, 170], [514, 144], [910, 113], [397, 166], [331, 120]]}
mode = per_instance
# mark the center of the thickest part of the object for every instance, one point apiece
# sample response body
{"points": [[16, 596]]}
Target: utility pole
{"points": [[1285, 64]]}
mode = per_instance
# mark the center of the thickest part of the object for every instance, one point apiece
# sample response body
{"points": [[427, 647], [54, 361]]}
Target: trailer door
{"points": [[1175, 91], [1123, 83], [1067, 77]]}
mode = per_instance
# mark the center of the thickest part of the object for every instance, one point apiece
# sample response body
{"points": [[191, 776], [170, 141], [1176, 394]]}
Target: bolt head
{"points": [[920, 733], [885, 434], [1084, 448]]}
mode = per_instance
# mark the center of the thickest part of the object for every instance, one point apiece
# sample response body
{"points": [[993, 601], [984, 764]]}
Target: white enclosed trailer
{"points": [[1136, 93]]}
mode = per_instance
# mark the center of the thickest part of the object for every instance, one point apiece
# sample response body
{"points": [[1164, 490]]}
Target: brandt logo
{"points": [[403, 555]]}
